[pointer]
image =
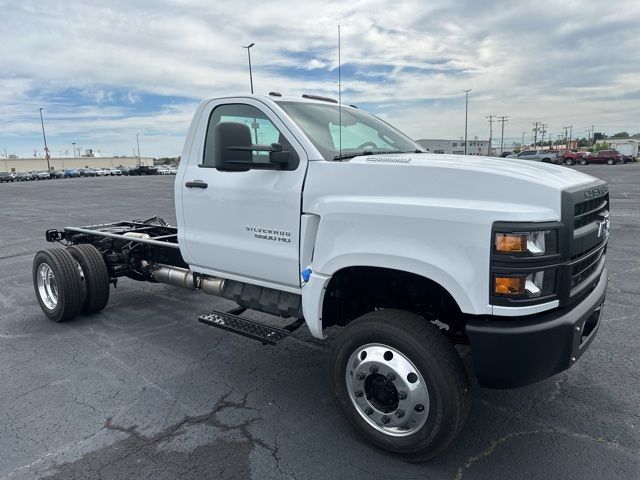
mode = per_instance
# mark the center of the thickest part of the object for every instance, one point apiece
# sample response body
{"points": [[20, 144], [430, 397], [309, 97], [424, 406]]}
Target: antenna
{"points": [[339, 99]]}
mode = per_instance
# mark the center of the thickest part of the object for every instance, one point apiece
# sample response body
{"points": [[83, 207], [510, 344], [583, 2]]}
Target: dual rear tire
{"points": [[70, 281]]}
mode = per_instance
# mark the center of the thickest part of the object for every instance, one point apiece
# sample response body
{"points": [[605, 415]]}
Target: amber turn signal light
{"points": [[511, 243], [509, 286]]}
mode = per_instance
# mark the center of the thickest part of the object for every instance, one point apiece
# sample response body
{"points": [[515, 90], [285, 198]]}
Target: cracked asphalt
{"points": [[142, 390]]}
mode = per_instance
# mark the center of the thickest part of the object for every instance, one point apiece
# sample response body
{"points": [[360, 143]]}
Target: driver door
{"points": [[243, 224]]}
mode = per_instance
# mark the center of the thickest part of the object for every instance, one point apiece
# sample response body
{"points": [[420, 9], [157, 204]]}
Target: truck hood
{"points": [[554, 176], [518, 190]]}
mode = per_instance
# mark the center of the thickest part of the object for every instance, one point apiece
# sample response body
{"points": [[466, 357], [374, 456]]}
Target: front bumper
{"points": [[516, 352]]}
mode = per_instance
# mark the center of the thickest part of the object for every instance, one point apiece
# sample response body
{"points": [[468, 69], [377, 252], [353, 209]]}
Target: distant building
{"points": [[456, 147]]}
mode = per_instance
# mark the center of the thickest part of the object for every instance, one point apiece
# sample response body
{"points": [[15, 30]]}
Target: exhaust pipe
{"points": [[183, 278]]}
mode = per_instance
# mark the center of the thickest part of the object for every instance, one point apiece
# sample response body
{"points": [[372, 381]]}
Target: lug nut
{"points": [[402, 395], [373, 369], [399, 413], [360, 376], [391, 377], [385, 419], [358, 393], [368, 410]]}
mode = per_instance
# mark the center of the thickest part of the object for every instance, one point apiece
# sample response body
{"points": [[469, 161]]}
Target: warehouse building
{"points": [[61, 163], [456, 147]]}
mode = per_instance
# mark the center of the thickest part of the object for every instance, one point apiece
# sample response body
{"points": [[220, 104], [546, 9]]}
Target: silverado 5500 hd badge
{"points": [[273, 234]]}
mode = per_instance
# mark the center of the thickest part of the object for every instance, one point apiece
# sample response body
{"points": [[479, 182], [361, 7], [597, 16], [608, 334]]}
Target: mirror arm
{"points": [[274, 147]]}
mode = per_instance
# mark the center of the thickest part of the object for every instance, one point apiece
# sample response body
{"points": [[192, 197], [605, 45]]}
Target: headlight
{"points": [[524, 286], [536, 243]]}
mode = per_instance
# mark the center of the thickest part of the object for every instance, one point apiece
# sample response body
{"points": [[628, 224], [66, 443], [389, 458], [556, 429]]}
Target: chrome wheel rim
{"points": [[47, 286], [387, 390]]}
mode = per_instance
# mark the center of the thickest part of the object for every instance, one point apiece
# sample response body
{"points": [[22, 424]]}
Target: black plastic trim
{"points": [[515, 351]]}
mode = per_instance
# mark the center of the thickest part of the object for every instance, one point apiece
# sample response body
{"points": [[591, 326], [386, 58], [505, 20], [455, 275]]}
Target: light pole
{"points": [[138, 144], [73, 144], [46, 149], [466, 112], [248, 47]]}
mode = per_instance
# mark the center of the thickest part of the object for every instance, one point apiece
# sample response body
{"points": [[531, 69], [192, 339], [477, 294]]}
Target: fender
{"points": [[313, 291]]}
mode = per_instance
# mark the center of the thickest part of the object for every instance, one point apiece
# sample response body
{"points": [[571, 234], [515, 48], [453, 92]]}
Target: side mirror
{"points": [[232, 147]]}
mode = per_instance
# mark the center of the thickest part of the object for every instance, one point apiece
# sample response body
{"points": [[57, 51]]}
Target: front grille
{"points": [[585, 266], [588, 211]]}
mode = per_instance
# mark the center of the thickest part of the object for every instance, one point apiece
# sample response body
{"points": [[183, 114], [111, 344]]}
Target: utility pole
{"points": [[522, 144], [46, 149], [544, 130], [535, 135], [248, 47], [138, 144], [502, 120], [566, 132], [490, 117], [466, 112], [589, 130], [593, 134], [570, 135]]}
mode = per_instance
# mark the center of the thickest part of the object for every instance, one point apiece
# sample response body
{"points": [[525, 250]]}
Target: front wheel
{"points": [[611, 161], [583, 161], [400, 383], [569, 162]]}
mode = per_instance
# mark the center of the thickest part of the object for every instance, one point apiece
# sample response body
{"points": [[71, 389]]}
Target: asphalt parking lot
{"points": [[142, 390]]}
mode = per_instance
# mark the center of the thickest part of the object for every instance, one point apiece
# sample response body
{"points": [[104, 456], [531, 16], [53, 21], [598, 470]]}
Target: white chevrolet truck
{"points": [[328, 216]]}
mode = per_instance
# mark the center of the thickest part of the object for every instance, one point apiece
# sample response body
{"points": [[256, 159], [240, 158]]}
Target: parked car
{"points": [[162, 170], [173, 170], [86, 172], [5, 177], [57, 174], [506, 154], [23, 176], [114, 171], [43, 175], [143, 170], [610, 157], [101, 172], [71, 173], [546, 156], [125, 170], [569, 157]]}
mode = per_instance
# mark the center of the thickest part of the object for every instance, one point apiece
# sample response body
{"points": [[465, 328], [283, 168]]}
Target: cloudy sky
{"points": [[106, 70]]}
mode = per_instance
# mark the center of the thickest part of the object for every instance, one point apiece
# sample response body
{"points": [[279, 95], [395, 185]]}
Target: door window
{"points": [[263, 132]]}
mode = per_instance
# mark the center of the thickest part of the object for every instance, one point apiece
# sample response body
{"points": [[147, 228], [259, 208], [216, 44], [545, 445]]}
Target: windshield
{"points": [[362, 133]]}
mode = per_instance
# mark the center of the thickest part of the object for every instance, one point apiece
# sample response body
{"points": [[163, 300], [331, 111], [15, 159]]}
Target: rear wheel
{"points": [[569, 161], [58, 284], [96, 276], [583, 161], [611, 161], [400, 383]]}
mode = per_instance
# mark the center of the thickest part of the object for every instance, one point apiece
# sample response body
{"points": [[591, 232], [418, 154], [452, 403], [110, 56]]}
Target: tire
{"points": [[439, 379], [611, 161], [583, 161], [65, 296], [569, 162], [96, 276]]}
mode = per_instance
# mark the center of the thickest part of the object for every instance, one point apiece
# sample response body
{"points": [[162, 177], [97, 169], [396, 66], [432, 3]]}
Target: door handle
{"points": [[196, 184]]}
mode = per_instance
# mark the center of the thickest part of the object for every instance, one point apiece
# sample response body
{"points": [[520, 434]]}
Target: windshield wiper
{"points": [[346, 156]]}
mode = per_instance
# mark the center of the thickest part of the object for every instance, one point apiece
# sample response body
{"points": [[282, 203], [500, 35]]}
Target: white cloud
{"points": [[560, 62]]}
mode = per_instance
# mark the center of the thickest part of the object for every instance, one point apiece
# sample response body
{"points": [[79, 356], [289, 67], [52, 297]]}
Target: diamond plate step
{"points": [[243, 326]]}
